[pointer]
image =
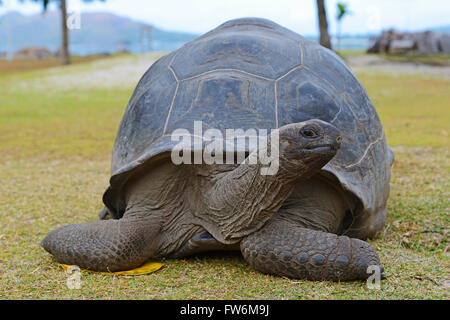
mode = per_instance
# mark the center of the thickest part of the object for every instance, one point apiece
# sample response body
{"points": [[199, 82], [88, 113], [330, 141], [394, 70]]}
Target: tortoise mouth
{"points": [[323, 147]]}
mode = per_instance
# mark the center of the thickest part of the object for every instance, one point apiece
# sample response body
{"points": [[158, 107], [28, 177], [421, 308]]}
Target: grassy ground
{"points": [[7, 66], [57, 128], [435, 59], [440, 59]]}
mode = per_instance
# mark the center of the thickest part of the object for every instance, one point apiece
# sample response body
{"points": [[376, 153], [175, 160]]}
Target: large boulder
{"points": [[444, 43], [425, 43]]}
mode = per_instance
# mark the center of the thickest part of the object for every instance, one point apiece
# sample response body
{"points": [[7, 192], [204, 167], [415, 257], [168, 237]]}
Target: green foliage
{"points": [[45, 3], [342, 10]]}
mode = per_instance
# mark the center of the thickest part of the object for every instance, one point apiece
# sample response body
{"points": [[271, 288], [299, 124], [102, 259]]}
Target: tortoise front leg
{"points": [[286, 249], [108, 245]]}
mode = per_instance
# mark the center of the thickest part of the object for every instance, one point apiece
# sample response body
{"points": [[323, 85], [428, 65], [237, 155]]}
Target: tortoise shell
{"points": [[254, 73]]}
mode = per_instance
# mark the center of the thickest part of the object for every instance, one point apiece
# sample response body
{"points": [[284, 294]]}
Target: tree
{"points": [[342, 11], [323, 24], [65, 55]]}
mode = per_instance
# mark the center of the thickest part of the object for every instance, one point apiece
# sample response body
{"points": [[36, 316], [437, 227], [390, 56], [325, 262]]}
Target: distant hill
{"points": [[106, 32], [99, 32]]}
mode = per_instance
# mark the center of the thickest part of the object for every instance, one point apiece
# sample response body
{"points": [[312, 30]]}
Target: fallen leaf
{"points": [[146, 268]]}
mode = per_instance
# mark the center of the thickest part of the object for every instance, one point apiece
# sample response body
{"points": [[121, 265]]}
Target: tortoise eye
{"points": [[308, 133]]}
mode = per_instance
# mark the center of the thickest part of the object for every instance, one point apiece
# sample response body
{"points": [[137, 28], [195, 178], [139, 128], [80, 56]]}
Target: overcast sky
{"points": [[299, 15]]}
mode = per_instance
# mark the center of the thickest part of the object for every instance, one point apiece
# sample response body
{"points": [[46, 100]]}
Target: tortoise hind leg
{"points": [[108, 245], [287, 249]]}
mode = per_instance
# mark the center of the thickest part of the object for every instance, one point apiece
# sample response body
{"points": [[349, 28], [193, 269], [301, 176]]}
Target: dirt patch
{"points": [[373, 62]]}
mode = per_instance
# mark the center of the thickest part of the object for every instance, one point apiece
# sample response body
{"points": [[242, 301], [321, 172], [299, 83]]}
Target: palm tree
{"points": [[323, 24], [65, 55], [342, 12]]}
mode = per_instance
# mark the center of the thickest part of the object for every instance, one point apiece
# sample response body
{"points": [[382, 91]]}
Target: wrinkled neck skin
{"points": [[241, 201]]}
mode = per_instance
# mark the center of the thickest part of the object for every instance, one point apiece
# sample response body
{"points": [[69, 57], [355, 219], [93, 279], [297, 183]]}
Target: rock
{"points": [[401, 46], [426, 42], [444, 43], [32, 53]]}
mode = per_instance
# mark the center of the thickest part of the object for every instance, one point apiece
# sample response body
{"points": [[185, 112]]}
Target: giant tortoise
{"points": [[308, 220]]}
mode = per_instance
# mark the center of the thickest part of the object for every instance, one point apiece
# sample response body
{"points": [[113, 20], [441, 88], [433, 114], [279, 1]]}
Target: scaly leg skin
{"points": [[286, 249], [108, 245]]}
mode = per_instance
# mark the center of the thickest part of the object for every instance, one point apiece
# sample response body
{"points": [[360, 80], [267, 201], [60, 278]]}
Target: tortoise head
{"points": [[313, 142]]}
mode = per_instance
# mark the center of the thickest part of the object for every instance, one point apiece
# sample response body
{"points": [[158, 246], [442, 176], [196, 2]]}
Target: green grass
{"points": [[414, 110], [351, 52], [56, 143]]}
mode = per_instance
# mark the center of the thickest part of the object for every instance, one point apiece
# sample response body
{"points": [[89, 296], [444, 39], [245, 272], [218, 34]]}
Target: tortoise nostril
{"points": [[339, 139]]}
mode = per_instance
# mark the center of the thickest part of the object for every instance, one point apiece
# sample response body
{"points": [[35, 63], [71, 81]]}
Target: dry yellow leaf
{"points": [[146, 268]]}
